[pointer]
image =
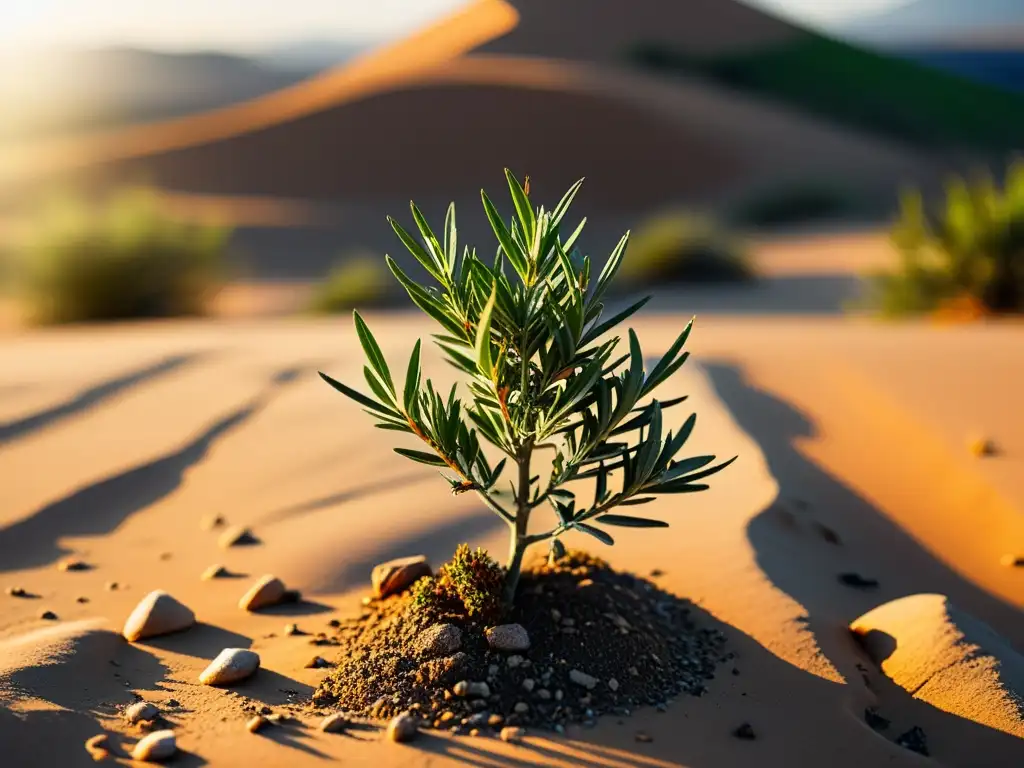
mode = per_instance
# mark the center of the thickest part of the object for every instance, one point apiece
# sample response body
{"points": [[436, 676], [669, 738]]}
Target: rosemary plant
{"points": [[528, 329]]}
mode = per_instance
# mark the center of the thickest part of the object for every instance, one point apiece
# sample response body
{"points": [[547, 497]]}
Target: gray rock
{"points": [[394, 576], [508, 637], [439, 640], [230, 666], [403, 728], [140, 710], [157, 614], [582, 678], [268, 590], [156, 746]]}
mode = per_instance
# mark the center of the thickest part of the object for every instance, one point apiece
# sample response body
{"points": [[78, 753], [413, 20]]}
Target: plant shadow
{"points": [[101, 506], [203, 641], [93, 396], [298, 608]]}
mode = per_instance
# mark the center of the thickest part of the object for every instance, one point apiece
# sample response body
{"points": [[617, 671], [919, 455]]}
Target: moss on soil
{"points": [[639, 643]]}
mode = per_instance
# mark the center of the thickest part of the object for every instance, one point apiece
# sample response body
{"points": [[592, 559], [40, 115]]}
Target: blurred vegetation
{"points": [[680, 247], [963, 259], [793, 204], [124, 257], [358, 281], [856, 87]]}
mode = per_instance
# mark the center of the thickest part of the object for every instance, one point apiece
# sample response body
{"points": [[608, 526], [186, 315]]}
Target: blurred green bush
{"points": [[359, 280], [124, 257], [679, 247], [966, 257]]}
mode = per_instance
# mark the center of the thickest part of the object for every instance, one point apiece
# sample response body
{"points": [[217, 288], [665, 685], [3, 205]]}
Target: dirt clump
{"points": [[600, 642]]}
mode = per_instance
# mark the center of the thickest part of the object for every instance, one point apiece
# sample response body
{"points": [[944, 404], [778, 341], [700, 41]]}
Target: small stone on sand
{"points": [[508, 637], [402, 728], [643, 737], [112, 586], [48, 616], [439, 640], [335, 723], [745, 731], [256, 724], [215, 571], [237, 537], [394, 576], [268, 590], [230, 666], [155, 747], [140, 710], [16, 592], [157, 614], [210, 522], [1012, 561], [317, 662], [97, 747], [293, 629], [981, 446], [512, 734], [857, 581], [914, 740], [72, 565]]}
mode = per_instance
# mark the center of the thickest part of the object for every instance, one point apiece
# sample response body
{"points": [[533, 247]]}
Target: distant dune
{"points": [[521, 84]]}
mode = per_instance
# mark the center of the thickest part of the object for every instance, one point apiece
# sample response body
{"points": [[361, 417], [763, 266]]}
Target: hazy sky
{"points": [[244, 24]]}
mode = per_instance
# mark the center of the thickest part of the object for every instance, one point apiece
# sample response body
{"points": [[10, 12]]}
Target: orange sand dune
{"points": [[394, 123]]}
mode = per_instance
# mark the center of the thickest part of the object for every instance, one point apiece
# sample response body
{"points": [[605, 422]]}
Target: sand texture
{"points": [[119, 444]]}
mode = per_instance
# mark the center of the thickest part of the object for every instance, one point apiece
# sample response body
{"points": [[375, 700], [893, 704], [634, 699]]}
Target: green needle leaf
{"points": [[483, 337], [373, 353]]}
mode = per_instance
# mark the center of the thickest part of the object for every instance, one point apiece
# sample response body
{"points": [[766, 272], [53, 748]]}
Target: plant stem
{"points": [[520, 540]]}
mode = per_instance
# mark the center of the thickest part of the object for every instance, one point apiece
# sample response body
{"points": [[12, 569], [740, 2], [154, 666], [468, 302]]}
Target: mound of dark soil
{"points": [[601, 642]]}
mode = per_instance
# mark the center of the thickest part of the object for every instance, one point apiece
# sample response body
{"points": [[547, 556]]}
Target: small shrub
{"points": [[789, 205], [683, 248], [963, 259], [528, 329], [470, 583], [124, 258], [357, 282]]}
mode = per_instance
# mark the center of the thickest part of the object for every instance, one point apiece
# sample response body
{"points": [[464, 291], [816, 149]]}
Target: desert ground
{"points": [[852, 437]]}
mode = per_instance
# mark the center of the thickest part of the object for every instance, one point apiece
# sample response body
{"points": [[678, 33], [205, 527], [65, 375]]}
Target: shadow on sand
{"points": [[92, 397], [100, 507]]}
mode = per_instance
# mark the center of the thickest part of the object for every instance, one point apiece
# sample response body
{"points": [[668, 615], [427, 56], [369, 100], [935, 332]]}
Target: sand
{"points": [[117, 441]]}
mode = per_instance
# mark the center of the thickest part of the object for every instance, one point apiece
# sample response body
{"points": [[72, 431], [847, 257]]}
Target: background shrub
{"points": [[681, 247], [125, 257], [968, 252], [359, 281], [794, 204]]}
